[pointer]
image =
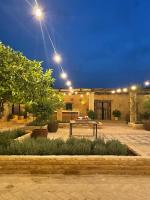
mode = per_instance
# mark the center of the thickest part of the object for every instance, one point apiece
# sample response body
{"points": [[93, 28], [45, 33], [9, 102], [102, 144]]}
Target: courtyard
{"points": [[74, 187]]}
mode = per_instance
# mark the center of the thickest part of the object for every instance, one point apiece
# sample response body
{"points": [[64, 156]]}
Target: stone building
{"points": [[103, 102]]}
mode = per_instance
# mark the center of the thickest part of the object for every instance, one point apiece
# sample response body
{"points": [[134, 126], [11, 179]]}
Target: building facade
{"points": [[103, 102]]}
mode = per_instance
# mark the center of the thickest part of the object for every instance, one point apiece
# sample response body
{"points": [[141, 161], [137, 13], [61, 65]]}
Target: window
{"points": [[68, 106]]}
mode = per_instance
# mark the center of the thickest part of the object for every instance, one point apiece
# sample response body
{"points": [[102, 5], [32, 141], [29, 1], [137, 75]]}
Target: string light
{"points": [[147, 83], [63, 75], [38, 13], [125, 89], [133, 87], [113, 92], [68, 83], [118, 90], [57, 58]]}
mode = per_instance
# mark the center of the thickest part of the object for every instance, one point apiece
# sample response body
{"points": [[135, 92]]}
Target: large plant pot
{"points": [[39, 133], [147, 126], [52, 127]]}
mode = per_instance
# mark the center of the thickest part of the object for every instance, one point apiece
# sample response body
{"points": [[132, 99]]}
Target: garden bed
{"points": [[73, 146]]}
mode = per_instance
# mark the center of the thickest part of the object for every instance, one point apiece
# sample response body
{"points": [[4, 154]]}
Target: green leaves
{"points": [[23, 81]]}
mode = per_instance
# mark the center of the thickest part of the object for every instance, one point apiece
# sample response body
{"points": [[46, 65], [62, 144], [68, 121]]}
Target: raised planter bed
{"points": [[136, 126], [75, 165]]}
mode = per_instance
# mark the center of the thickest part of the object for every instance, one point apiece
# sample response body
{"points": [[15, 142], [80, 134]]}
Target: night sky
{"points": [[104, 43]]}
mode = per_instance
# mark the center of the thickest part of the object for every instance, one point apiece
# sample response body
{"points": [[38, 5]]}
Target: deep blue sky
{"points": [[104, 43]]}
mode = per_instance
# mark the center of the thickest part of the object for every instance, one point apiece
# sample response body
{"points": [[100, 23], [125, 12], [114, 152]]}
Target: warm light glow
{"points": [[68, 83], [63, 75], [76, 92], [147, 83], [87, 93], [70, 94], [113, 92], [125, 89], [57, 58], [64, 94], [70, 88], [81, 95], [118, 90], [38, 13], [133, 87]]}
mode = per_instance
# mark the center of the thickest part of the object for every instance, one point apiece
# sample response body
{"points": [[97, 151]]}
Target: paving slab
{"points": [[74, 187]]}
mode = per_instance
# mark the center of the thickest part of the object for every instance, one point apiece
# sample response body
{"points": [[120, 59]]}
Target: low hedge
{"points": [[7, 136], [73, 146]]}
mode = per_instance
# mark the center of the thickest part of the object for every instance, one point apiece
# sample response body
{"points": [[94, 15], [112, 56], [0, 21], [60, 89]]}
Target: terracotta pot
{"points": [[52, 127], [39, 133]]}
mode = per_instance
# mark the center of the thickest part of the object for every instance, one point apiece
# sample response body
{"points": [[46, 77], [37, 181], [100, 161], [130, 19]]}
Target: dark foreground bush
{"points": [[7, 136], [73, 146]]}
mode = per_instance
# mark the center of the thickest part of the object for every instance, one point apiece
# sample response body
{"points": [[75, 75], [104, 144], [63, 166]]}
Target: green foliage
{"points": [[114, 147], [7, 136], [73, 146], [116, 113], [147, 105], [37, 122], [23, 81], [91, 114]]}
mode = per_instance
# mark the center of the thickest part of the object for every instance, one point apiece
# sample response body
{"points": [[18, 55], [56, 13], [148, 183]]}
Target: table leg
{"points": [[93, 129], [96, 130], [70, 130]]}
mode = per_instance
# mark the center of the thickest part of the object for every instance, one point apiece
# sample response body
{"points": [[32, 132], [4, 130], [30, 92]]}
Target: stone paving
{"points": [[138, 140], [63, 187]]}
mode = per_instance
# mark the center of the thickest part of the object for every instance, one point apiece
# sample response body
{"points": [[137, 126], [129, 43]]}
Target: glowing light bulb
{"points": [[118, 90], [113, 92], [147, 83], [68, 83], [133, 87], [38, 13], [125, 89], [57, 58], [63, 75]]}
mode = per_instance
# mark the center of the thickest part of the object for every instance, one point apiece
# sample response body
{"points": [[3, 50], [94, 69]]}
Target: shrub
{"points": [[114, 147], [73, 146], [116, 113], [91, 114], [37, 122]]}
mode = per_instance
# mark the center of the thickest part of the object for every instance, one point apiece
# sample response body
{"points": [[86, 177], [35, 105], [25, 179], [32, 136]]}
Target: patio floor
{"points": [[74, 187], [138, 140]]}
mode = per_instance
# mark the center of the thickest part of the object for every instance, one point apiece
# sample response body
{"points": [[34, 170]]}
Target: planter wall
{"points": [[74, 165]]}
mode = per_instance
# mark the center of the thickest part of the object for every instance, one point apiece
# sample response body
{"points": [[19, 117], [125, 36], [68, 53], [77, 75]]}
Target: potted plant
{"points": [[91, 114], [41, 112], [117, 114], [52, 126]]}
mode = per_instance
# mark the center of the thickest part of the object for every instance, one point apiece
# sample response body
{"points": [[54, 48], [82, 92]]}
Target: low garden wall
{"points": [[74, 165]]}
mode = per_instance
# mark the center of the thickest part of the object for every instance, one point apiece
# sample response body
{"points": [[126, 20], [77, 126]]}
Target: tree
{"points": [[23, 81]]}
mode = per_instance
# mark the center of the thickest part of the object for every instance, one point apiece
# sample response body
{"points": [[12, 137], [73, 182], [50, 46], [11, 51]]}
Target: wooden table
{"points": [[84, 122]]}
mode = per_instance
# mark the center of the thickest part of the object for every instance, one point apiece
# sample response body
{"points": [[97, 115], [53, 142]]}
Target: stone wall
{"points": [[74, 165], [118, 101]]}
